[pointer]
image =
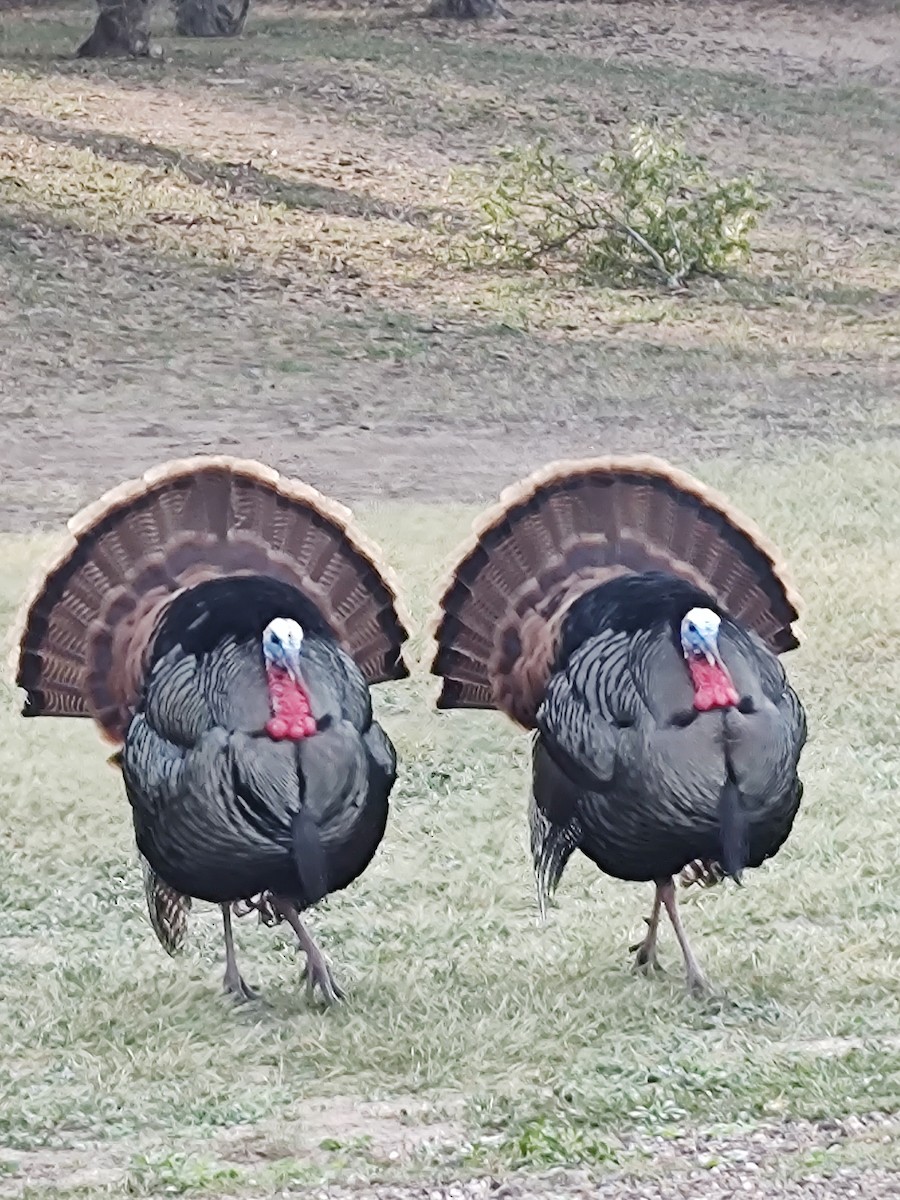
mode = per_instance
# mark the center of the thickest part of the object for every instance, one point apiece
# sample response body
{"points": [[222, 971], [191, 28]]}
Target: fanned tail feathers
{"points": [[85, 633], [569, 528]]}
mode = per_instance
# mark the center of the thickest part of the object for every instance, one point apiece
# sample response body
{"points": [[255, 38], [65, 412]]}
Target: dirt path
{"points": [[44, 479], [814, 1160], [865, 1185], [339, 349]]}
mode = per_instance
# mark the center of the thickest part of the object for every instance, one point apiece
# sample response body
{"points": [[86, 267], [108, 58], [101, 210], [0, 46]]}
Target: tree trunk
{"points": [[121, 28], [209, 18], [467, 10]]}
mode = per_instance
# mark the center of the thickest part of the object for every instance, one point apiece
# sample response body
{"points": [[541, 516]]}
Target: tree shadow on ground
{"points": [[242, 179]]}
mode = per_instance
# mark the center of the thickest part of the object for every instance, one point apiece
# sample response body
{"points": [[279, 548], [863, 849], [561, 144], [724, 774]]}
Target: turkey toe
{"points": [[646, 959], [317, 972], [235, 985], [696, 981], [698, 985]]}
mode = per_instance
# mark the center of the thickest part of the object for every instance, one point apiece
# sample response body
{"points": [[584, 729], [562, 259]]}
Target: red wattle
{"points": [[712, 685], [291, 714]]}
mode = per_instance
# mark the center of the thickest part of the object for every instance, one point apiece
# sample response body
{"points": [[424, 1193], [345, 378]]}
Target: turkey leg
{"points": [[317, 970], [646, 950], [696, 980], [234, 982]]}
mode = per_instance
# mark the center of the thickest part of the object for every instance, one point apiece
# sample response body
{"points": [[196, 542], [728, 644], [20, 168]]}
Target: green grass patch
{"points": [[531, 1047]]}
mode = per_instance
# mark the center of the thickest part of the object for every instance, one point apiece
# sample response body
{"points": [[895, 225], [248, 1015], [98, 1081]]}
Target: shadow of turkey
{"points": [[632, 619]]}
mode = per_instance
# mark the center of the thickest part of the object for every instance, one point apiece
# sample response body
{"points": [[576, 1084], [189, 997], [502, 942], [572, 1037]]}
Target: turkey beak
{"points": [[713, 657], [292, 664]]}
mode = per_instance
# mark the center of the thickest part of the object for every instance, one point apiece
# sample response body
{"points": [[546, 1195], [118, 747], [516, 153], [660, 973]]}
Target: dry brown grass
{"points": [[240, 248], [297, 181], [475, 1040]]}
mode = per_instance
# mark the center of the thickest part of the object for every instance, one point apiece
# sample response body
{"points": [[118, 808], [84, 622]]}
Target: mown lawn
{"points": [[242, 247], [491, 1042]]}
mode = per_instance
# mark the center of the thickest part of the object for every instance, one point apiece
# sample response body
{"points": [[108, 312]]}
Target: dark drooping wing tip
{"points": [[454, 694], [34, 703], [786, 639], [396, 668]]}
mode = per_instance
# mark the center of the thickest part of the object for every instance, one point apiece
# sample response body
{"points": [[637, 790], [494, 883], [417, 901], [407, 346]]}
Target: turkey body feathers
{"points": [[221, 811], [631, 617], [642, 770], [148, 620]]}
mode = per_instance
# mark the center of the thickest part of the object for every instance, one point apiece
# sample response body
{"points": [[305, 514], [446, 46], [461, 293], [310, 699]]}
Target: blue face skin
{"points": [[700, 635], [283, 645]]}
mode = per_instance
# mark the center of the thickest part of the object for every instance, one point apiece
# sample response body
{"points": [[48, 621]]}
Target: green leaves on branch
{"points": [[649, 210]]}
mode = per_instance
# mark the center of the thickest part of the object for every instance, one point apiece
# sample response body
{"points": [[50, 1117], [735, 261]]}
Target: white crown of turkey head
{"points": [[700, 633], [283, 642]]}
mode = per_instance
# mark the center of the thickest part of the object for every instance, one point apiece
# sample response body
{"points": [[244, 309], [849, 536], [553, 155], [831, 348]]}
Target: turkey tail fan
{"points": [[563, 531], [85, 633], [169, 911]]}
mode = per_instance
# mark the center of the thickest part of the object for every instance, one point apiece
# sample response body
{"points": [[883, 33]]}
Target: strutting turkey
{"points": [[221, 625], [632, 618]]}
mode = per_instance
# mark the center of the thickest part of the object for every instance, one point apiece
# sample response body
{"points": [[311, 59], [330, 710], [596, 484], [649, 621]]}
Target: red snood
{"points": [[292, 717], [712, 685]]}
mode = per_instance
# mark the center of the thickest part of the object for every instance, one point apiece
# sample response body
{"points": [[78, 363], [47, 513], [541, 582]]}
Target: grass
{"points": [[294, 189], [246, 247], [492, 1043]]}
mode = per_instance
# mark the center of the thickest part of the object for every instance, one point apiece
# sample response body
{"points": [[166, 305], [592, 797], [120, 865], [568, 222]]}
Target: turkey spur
{"points": [[633, 620], [222, 626]]}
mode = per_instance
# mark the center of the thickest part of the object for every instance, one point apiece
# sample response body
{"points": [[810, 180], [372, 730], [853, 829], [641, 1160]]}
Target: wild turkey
{"points": [[632, 618], [221, 625]]}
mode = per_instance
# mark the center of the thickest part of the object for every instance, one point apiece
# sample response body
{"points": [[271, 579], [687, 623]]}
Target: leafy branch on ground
{"points": [[648, 210]]}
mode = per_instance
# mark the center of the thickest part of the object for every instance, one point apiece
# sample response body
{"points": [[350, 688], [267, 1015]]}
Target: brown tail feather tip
{"points": [[568, 527], [127, 553]]}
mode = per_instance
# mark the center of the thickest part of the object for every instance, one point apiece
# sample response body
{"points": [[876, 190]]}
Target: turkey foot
{"points": [[646, 958], [261, 905], [706, 873], [696, 980], [234, 983], [317, 970]]}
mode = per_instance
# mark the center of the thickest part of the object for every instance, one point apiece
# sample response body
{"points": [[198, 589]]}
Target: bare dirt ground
{"points": [[802, 1159], [237, 249], [338, 349]]}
